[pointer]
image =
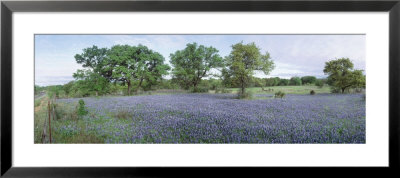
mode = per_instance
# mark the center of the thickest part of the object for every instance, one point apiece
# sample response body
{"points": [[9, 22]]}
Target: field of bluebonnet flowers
{"points": [[217, 118]]}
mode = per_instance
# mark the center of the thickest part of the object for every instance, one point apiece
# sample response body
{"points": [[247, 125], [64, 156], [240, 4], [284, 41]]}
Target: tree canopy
{"points": [[295, 81], [194, 63], [243, 60], [92, 59], [123, 67], [308, 80], [342, 76], [135, 63]]}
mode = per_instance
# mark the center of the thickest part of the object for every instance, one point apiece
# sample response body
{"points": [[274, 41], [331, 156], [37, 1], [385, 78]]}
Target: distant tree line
{"points": [[126, 70]]}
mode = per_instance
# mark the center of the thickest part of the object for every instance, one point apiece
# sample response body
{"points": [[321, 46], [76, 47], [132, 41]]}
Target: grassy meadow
{"points": [[165, 117]]}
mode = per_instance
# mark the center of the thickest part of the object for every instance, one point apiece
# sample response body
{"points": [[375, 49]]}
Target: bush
{"points": [[81, 108], [65, 113], [245, 95], [280, 94], [336, 90], [312, 92], [319, 83]]}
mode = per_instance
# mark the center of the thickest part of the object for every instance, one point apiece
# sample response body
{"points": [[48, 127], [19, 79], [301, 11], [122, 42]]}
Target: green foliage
{"points": [[336, 90], [199, 89], [54, 91], [283, 82], [342, 76], [167, 84], [62, 94], [272, 81], [258, 82], [81, 108], [93, 78], [243, 60], [194, 63], [38, 89], [67, 87], [227, 80], [246, 95], [320, 83], [129, 64], [308, 80], [280, 94], [213, 84], [122, 64], [92, 58], [296, 81], [91, 82]]}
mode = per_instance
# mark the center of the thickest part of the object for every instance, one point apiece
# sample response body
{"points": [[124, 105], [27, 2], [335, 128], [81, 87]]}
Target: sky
{"points": [[293, 55]]}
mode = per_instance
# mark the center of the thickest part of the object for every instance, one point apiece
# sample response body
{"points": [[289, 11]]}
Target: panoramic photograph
{"points": [[200, 89]]}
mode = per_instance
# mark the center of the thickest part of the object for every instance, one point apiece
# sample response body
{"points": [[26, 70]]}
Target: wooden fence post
{"points": [[49, 121], [53, 107]]}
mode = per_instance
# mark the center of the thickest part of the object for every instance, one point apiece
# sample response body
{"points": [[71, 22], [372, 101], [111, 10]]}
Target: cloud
{"points": [[52, 80], [312, 50]]}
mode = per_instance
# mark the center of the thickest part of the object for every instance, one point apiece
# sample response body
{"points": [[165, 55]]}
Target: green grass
{"points": [[40, 116], [287, 89], [65, 117]]}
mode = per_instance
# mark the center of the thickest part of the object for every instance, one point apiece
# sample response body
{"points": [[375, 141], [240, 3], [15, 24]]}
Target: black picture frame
{"points": [[8, 7]]}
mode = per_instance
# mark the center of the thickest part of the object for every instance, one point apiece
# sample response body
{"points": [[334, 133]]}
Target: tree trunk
{"points": [[195, 86], [140, 85], [242, 85], [129, 88], [343, 90], [97, 93]]}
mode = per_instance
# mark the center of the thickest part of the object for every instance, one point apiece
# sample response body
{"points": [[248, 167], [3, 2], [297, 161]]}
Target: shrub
{"points": [[280, 94], [81, 108], [319, 83], [66, 113], [335, 90], [312, 92]]}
